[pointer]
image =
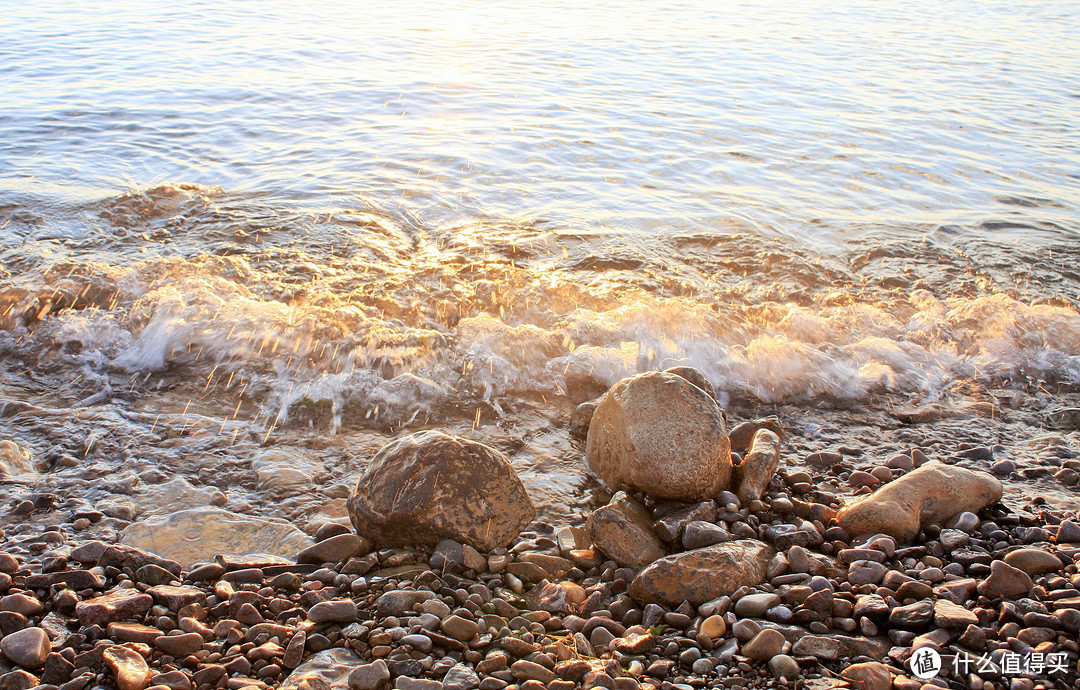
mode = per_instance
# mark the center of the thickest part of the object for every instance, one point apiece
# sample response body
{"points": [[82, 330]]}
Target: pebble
{"points": [[783, 666], [27, 647], [765, 645]]}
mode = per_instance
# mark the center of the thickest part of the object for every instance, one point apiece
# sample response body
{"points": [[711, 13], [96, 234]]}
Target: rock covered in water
{"points": [[14, 461], [199, 534], [658, 433], [703, 574], [929, 495], [623, 531], [758, 467], [430, 486]]}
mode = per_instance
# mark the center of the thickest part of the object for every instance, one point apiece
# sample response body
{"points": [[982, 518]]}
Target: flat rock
{"points": [[658, 433], [623, 531], [929, 495], [703, 574], [758, 467], [331, 667], [953, 616], [429, 486], [868, 676], [336, 549], [199, 534], [118, 605]]}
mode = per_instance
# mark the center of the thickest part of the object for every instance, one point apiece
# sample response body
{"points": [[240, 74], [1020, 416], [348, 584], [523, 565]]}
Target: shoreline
{"points": [[822, 464]]}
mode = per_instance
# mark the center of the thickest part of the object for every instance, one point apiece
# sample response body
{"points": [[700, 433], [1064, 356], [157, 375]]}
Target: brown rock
{"points": [[659, 433], [931, 494], [27, 647], [336, 549], [1033, 561], [430, 486], [703, 574], [1005, 581], [868, 676], [953, 616], [758, 467], [742, 434], [128, 667], [179, 646], [114, 606], [623, 530], [765, 645]]}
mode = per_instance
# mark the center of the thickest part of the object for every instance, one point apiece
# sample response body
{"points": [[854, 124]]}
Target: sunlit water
{"points": [[265, 217]]}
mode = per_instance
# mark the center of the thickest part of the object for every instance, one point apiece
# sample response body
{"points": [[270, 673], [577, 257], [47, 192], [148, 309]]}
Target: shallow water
{"points": [[226, 226]]}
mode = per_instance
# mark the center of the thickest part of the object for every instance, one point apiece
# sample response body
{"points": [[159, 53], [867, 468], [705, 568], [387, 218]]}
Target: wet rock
{"points": [[1068, 532], [699, 533], [659, 433], [755, 605], [133, 558], [929, 495], [114, 606], [27, 648], [199, 534], [581, 419], [1005, 581], [868, 676], [399, 601], [1033, 561], [460, 677], [824, 648], [623, 531], [758, 467], [430, 486], [703, 574], [335, 549], [14, 462], [128, 668], [329, 668]]}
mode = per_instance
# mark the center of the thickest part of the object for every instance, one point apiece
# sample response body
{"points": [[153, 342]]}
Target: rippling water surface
{"points": [[273, 218]]}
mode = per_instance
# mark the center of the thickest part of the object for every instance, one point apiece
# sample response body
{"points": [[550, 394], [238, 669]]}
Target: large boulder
{"points": [[929, 495], [623, 531], [430, 486], [703, 574], [658, 433]]}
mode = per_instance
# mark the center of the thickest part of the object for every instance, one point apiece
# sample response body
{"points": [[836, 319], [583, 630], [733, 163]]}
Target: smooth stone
{"points": [[339, 611], [658, 433], [1033, 561], [460, 628], [783, 666], [430, 486], [622, 529], [1005, 581], [1068, 532], [27, 647], [714, 626], [699, 534], [702, 574], [369, 676], [179, 646], [128, 667], [765, 645], [932, 494], [335, 549], [755, 605], [199, 534], [819, 646]]}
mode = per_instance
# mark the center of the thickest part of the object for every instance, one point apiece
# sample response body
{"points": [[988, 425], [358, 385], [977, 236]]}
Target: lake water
{"points": [[343, 216]]}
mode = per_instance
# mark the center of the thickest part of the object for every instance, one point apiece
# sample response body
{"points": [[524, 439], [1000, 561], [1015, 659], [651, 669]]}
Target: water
{"points": [[306, 223]]}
